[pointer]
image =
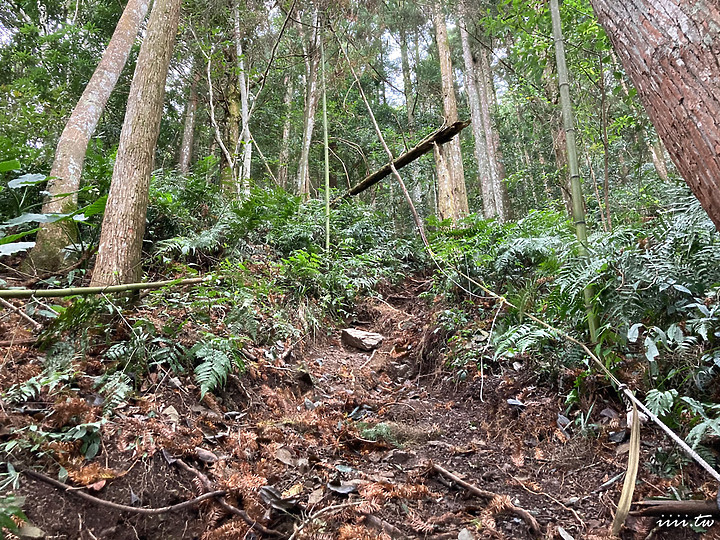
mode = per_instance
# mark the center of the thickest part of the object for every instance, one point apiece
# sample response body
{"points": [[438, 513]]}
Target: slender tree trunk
{"points": [[70, 154], [478, 123], [452, 196], [188, 139], [311, 102], [669, 49], [229, 177], [657, 151], [123, 227], [243, 186], [284, 156], [492, 138], [569, 125], [407, 80]]}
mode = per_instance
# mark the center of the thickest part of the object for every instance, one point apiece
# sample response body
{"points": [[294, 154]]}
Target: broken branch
{"points": [[440, 136], [122, 507], [524, 514]]}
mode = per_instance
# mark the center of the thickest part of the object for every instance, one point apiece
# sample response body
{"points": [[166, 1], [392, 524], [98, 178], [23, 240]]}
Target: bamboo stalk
{"points": [[73, 291]]}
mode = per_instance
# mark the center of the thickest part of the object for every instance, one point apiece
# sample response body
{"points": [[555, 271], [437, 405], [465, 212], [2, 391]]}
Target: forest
{"points": [[398, 269]]}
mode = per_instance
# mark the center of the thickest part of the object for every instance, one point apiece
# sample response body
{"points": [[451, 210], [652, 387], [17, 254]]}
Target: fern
{"points": [[219, 357], [521, 338], [115, 390]]}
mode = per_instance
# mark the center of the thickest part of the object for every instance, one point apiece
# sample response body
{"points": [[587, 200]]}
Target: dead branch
{"points": [[320, 512], [122, 507], [524, 514], [686, 508], [20, 312], [207, 484], [381, 525], [11, 342], [440, 136]]}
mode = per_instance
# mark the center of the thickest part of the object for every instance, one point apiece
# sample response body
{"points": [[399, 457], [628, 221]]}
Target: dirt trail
{"points": [[332, 442]]}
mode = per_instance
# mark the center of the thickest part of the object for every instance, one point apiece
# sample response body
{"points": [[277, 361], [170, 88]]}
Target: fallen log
{"points": [[441, 136]]}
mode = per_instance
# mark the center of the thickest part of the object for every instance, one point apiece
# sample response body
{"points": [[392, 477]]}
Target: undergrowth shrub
{"points": [[655, 279]]}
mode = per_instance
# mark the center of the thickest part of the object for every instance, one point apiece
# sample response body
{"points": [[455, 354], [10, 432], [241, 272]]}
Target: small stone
{"points": [[172, 414], [360, 339], [465, 534], [205, 455]]}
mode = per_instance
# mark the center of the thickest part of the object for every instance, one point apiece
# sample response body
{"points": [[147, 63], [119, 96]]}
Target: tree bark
{"points": [[188, 139], [284, 156], [311, 102], [452, 196], [123, 227], [478, 123], [492, 137], [243, 82], [407, 80], [670, 50], [70, 154]]}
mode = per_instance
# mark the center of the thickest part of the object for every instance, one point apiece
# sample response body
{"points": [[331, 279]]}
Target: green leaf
{"points": [[634, 332], [97, 207], [26, 180], [660, 403], [651, 350], [9, 249], [11, 165], [15, 237], [30, 217]]}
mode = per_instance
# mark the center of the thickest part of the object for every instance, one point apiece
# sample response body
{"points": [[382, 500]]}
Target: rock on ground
{"points": [[360, 339]]}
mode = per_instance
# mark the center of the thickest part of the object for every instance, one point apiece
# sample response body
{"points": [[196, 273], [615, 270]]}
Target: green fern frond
{"points": [[218, 360], [115, 390]]}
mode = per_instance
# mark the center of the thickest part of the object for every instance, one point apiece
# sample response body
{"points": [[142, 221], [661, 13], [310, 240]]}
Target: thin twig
{"points": [[207, 484], [20, 312], [320, 512], [524, 514], [122, 507], [368, 360]]}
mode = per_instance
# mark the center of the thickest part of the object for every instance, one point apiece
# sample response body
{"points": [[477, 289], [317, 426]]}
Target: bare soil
{"points": [[337, 443]]}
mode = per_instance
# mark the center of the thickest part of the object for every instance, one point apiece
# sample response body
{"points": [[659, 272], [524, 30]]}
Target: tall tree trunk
{"points": [[123, 227], [478, 123], [243, 82], [669, 48], [284, 156], [311, 102], [452, 196], [492, 138], [578, 202], [188, 139], [407, 80], [70, 154], [229, 176]]}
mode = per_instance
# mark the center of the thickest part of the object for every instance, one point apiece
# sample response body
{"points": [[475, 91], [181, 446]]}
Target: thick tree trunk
{"points": [[311, 102], [72, 146], [282, 173], [123, 227], [452, 196], [188, 139], [670, 50], [478, 127]]}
